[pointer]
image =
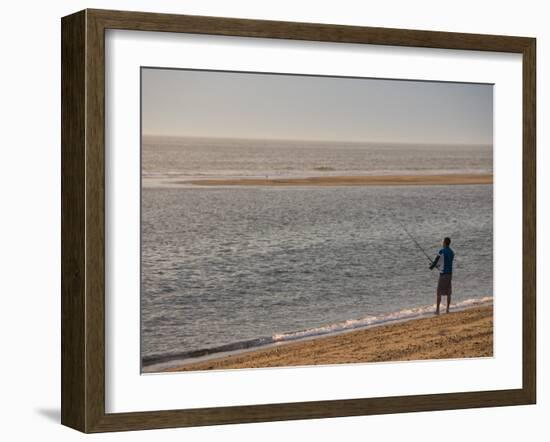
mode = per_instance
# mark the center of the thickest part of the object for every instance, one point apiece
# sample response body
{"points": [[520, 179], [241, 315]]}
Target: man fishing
{"points": [[444, 262]]}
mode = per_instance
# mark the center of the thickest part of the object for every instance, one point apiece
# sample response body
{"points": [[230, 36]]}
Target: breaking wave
{"points": [[325, 330]]}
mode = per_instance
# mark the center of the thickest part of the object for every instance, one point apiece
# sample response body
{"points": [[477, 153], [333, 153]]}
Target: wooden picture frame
{"points": [[83, 220]]}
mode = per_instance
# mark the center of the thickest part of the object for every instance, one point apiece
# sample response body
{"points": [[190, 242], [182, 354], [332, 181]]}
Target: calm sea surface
{"points": [[224, 268], [199, 157]]}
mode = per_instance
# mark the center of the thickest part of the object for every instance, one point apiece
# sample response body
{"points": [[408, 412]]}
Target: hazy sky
{"points": [[244, 105]]}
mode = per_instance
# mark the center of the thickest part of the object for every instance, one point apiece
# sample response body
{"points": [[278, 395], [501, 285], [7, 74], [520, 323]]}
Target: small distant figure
{"points": [[444, 262]]}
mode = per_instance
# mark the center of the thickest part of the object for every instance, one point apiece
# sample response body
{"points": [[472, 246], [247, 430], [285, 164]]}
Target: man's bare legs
{"points": [[438, 300]]}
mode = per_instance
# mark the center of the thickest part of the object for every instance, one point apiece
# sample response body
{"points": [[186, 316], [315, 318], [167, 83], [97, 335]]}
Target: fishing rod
{"points": [[414, 240]]}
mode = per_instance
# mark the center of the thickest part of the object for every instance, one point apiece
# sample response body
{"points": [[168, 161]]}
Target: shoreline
{"points": [[352, 180], [465, 333]]}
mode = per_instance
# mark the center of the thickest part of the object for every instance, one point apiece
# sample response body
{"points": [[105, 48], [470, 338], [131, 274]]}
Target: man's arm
{"points": [[434, 263]]}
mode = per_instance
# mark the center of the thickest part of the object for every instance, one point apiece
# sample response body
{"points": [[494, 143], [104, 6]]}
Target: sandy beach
{"points": [[365, 180], [462, 334]]}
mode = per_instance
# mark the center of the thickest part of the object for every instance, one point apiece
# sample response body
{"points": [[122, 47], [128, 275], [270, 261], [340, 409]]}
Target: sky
{"points": [[275, 106]]}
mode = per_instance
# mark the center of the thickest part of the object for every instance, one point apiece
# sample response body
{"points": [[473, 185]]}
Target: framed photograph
{"points": [[269, 220]]}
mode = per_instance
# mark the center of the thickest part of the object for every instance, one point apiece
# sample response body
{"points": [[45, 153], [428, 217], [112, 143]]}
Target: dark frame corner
{"points": [[83, 216]]}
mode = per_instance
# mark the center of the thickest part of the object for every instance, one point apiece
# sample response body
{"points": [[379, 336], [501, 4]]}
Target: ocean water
{"points": [[227, 268], [165, 158]]}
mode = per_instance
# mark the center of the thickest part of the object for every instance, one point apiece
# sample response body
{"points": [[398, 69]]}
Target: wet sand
{"points": [[381, 180], [462, 334]]}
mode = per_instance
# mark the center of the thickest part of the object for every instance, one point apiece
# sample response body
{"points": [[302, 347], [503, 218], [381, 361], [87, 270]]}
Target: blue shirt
{"points": [[444, 260]]}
